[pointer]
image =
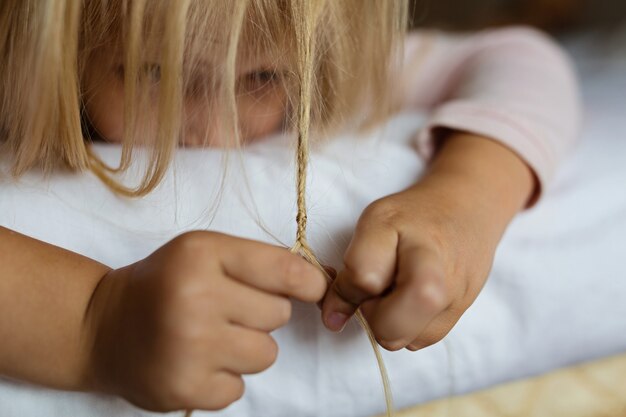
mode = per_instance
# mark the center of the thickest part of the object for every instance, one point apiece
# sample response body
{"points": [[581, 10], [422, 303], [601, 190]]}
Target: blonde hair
{"points": [[338, 55], [47, 48]]}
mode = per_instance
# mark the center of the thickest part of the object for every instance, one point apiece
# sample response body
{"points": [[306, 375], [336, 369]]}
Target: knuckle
{"points": [[182, 302], [190, 238], [369, 282], [383, 210], [431, 297], [292, 270], [192, 245], [364, 280]]}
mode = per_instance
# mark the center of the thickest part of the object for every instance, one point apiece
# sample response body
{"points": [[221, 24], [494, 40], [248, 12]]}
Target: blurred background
{"points": [[592, 31], [553, 15]]}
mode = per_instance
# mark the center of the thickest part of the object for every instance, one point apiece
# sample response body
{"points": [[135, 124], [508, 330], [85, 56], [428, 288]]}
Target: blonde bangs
{"points": [[40, 119], [39, 90]]}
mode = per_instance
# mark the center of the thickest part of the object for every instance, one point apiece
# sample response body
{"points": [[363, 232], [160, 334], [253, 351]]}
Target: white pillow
{"points": [[557, 279]]}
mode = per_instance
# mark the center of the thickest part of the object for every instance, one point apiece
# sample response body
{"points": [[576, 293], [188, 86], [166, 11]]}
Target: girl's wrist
{"points": [[97, 316], [480, 177]]}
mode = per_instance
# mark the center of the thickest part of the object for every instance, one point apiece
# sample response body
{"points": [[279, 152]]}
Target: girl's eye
{"points": [[259, 80], [262, 76]]}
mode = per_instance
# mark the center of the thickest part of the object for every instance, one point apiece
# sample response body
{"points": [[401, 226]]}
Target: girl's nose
{"points": [[202, 127]]}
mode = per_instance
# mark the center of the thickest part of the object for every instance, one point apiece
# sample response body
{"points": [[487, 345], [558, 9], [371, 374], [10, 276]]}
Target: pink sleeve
{"points": [[512, 85]]}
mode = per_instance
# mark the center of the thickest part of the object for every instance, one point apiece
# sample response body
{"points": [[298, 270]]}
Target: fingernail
{"points": [[336, 321]]}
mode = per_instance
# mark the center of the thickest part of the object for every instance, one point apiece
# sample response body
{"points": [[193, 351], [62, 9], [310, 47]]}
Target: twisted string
{"points": [[304, 17], [301, 247], [305, 40]]}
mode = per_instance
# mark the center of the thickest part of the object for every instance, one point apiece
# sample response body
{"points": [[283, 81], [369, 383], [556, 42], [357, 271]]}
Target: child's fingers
{"points": [[256, 309], [369, 268], [251, 352], [419, 296], [222, 389], [272, 269]]}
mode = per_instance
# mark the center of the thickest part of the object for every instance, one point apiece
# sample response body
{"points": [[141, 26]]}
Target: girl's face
{"points": [[261, 102]]}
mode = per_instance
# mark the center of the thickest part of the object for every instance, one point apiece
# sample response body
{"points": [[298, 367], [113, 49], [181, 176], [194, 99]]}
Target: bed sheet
{"points": [[555, 295]]}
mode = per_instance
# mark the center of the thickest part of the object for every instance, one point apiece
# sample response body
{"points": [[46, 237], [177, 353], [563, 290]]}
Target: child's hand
{"points": [[179, 328], [418, 259], [415, 264]]}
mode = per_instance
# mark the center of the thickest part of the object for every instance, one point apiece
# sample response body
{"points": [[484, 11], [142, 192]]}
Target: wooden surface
{"points": [[596, 389]]}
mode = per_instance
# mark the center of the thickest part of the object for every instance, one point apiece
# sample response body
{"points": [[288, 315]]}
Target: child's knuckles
{"points": [[430, 298], [196, 243], [292, 271], [188, 256], [365, 281], [185, 329], [183, 301], [382, 211]]}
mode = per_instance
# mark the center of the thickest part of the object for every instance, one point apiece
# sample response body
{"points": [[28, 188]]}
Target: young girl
{"points": [[177, 329]]}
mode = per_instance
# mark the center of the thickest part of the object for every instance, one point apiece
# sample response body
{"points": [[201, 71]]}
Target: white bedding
{"points": [[556, 294]]}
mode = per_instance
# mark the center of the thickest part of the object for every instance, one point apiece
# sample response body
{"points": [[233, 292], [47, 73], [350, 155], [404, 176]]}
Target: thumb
{"points": [[370, 264]]}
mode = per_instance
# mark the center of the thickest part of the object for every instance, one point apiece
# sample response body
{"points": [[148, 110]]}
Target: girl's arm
{"points": [[432, 244], [505, 108], [175, 330], [514, 86], [44, 293]]}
